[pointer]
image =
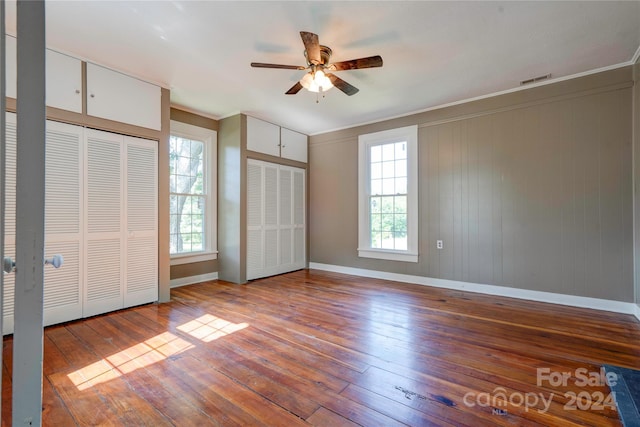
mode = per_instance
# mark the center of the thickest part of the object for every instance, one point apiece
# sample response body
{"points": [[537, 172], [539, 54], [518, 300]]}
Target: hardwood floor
{"points": [[325, 349]]}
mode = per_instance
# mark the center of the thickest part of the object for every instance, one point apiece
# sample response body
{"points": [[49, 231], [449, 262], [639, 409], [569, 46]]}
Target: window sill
{"points": [[194, 257], [388, 255]]}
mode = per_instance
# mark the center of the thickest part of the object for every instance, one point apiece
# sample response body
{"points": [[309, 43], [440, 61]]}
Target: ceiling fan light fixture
{"points": [[316, 82]]}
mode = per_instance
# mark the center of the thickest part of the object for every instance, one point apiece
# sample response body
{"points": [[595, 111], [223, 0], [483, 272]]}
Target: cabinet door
{"points": [[104, 248], [64, 78], [141, 189], [294, 145], [64, 82], [263, 137], [115, 96]]}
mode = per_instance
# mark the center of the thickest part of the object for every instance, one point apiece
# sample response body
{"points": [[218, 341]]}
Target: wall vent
{"points": [[535, 79]]}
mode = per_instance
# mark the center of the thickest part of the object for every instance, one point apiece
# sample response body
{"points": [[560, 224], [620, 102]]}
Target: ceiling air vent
{"points": [[535, 79]]}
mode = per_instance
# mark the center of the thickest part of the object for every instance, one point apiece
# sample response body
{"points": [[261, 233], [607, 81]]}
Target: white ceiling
{"points": [[434, 53]]}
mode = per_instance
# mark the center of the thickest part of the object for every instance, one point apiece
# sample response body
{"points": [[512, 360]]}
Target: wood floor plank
{"points": [[320, 348], [325, 418]]}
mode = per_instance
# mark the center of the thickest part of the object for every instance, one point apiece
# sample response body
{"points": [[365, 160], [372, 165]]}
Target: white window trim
{"points": [[210, 139], [410, 135]]}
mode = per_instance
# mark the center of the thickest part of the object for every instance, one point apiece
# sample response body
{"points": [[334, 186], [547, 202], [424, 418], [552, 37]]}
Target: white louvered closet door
{"points": [[270, 220], [141, 189], [285, 223], [63, 227], [255, 234], [10, 222], [299, 219], [105, 221], [275, 219]]}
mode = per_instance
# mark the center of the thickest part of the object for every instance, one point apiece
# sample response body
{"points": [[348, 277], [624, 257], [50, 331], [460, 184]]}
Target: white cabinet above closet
{"points": [[293, 145], [64, 78], [263, 137], [64, 82], [267, 138], [116, 96]]}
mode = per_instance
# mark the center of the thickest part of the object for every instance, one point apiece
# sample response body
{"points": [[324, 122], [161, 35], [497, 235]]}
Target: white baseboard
{"points": [[504, 291], [190, 280]]}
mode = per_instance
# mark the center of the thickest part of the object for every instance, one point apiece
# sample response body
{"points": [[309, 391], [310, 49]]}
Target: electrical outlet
{"points": [[439, 244]]}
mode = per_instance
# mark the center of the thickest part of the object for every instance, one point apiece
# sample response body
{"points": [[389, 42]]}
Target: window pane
{"points": [[376, 170], [400, 205], [401, 186], [376, 240], [388, 186], [376, 186], [400, 224], [387, 241], [388, 152], [388, 170], [387, 222], [401, 167], [401, 150], [400, 241], [375, 222], [375, 205], [376, 153], [387, 204]]}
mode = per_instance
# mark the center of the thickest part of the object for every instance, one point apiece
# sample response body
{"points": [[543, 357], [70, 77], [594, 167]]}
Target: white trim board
{"points": [[503, 291], [190, 280]]}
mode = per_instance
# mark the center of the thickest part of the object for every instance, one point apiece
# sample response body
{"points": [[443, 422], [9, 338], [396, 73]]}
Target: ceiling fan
{"points": [[318, 79]]}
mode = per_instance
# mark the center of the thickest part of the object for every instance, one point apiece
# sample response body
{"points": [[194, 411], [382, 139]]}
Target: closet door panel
{"points": [[62, 286], [299, 219], [285, 223], [63, 225], [141, 278], [103, 291], [9, 188], [104, 219], [255, 232], [275, 219]]}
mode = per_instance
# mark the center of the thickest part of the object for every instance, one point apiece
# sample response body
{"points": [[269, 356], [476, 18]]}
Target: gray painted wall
{"points": [[232, 200], [531, 190]]}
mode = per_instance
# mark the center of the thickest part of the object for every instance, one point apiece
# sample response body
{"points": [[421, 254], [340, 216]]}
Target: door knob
{"points": [[56, 260], [8, 265]]}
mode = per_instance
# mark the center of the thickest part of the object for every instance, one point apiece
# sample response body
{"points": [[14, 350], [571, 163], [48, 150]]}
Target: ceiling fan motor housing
{"points": [[325, 54]]}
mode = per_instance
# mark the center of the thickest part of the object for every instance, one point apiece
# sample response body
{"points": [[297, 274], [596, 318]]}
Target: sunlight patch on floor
{"points": [[143, 354], [209, 327]]}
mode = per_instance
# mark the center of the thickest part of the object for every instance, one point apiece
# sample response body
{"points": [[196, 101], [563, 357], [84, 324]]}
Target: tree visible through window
{"points": [[188, 195]]}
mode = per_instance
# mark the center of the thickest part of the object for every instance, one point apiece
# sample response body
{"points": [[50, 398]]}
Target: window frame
{"points": [[209, 138], [409, 134]]}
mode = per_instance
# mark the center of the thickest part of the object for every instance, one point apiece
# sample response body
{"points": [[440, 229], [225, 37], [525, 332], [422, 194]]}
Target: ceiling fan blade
{"points": [[355, 64], [312, 46], [294, 89], [280, 66], [342, 85]]}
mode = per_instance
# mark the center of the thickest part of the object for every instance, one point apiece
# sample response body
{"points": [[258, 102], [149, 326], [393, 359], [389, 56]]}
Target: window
{"points": [[192, 171], [388, 195]]}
